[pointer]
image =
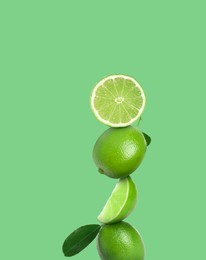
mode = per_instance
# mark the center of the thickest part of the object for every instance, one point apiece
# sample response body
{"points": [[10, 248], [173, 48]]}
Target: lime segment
{"points": [[121, 202]]}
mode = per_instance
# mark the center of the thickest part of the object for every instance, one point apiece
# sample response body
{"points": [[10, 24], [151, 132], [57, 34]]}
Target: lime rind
{"points": [[113, 88]]}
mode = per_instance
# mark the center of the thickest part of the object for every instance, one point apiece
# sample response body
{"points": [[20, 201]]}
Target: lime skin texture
{"points": [[119, 151], [120, 241]]}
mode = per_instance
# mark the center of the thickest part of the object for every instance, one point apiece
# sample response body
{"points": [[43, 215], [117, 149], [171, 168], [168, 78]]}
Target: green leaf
{"points": [[147, 138], [79, 239]]}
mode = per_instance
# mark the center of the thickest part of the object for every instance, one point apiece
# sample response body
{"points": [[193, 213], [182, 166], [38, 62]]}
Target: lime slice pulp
{"points": [[118, 100]]}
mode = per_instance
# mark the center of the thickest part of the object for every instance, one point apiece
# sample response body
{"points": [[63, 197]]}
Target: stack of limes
{"points": [[118, 101]]}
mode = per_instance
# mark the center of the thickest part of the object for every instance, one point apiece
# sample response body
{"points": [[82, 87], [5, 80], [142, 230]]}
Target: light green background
{"points": [[52, 54]]}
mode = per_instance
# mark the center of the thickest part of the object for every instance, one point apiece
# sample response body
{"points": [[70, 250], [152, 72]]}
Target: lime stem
{"points": [[100, 171], [138, 123]]}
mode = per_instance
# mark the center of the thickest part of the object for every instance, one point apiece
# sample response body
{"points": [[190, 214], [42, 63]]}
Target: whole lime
{"points": [[119, 151], [120, 241]]}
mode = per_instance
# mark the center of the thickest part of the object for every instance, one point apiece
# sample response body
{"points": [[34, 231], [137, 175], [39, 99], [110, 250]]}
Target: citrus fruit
{"points": [[119, 151], [121, 202], [120, 241], [118, 100]]}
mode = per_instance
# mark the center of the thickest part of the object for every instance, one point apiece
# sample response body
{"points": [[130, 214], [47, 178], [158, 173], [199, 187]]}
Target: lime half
{"points": [[121, 202], [118, 100]]}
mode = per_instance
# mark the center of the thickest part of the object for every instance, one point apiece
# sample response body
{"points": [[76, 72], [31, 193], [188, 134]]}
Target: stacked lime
{"points": [[121, 202], [120, 241], [119, 151], [118, 101]]}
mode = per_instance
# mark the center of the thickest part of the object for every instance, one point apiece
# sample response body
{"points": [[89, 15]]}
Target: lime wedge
{"points": [[118, 100], [121, 202]]}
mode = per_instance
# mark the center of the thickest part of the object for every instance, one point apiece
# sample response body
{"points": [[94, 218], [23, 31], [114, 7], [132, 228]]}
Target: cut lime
{"points": [[118, 100], [121, 202]]}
